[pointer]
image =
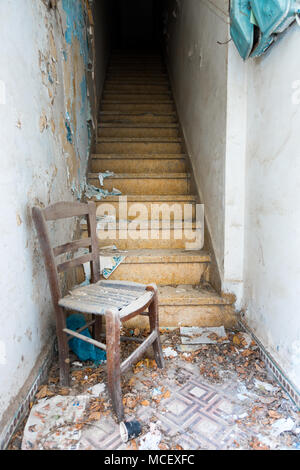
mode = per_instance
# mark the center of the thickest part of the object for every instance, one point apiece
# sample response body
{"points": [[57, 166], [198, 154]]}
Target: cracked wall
{"points": [[48, 117]]}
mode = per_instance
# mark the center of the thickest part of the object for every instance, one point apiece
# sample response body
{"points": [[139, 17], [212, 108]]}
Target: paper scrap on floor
{"points": [[108, 263], [102, 176], [191, 336], [99, 193], [53, 422]]}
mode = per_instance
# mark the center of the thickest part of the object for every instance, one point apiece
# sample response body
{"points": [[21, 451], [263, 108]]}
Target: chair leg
{"points": [[63, 349], [113, 362], [97, 328], [154, 326]]}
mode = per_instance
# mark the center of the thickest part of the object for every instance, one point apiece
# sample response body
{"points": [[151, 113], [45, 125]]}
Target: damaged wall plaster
{"points": [[45, 141]]}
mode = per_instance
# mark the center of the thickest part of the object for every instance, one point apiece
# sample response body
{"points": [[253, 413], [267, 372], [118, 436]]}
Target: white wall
{"points": [[272, 253], [45, 144], [208, 91]]}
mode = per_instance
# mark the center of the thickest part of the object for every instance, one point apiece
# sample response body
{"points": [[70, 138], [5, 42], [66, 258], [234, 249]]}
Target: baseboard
{"points": [[289, 388], [27, 393]]}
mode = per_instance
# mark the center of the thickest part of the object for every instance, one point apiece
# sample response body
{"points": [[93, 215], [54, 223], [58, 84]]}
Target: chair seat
{"points": [[126, 297]]}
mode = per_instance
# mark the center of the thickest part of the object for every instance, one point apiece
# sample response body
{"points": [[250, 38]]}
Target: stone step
{"points": [[132, 73], [163, 267], [118, 61], [135, 89], [152, 69], [159, 107], [136, 81], [188, 305], [137, 97], [137, 118], [141, 183], [146, 207], [138, 132], [138, 163], [143, 234], [139, 146]]}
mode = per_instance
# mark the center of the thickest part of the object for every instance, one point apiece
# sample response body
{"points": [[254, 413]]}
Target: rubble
{"points": [[169, 352], [208, 335], [152, 439]]}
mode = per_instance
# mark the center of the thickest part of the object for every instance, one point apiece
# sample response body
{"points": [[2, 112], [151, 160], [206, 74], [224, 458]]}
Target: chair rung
{"points": [[72, 246], [139, 351], [85, 338], [74, 262], [87, 325]]}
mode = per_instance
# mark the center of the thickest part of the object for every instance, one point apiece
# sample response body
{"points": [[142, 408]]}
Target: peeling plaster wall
{"points": [[198, 68], [45, 143], [272, 255]]}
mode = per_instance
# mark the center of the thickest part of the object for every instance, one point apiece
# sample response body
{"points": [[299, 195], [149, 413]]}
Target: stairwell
{"points": [[139, 141]]}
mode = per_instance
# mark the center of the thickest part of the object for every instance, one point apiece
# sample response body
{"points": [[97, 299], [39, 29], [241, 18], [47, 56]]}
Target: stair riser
{"points": [[136, 98], [201, 316], [140, 73], [146, 118], [145, 186], [142, 148], [139, 82], [161, 273], [135, 60], [137, 70], [138, 132], [111, 237], [138, 107], [112, 88], [138, 165], [146, 210]]}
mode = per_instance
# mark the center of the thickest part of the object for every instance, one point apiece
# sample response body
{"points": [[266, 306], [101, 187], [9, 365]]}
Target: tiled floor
{"points": [[222, 408], [197, 415]]}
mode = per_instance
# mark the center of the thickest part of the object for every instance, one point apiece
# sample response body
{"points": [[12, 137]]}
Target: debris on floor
{"points": [[169, 352], [220, 396], [92, 191], [108, 262], [55, 423], [192, 336], [102, 176], [151, 440]]}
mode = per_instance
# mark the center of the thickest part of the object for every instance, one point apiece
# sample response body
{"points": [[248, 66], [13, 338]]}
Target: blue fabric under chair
{"points": [[84, 351]]}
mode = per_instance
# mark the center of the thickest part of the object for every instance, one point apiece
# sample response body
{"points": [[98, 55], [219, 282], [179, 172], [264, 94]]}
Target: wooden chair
{"points": [[118, 301]]}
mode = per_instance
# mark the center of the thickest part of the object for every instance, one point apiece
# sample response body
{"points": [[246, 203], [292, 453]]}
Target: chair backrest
{"points": [[64, 210]]}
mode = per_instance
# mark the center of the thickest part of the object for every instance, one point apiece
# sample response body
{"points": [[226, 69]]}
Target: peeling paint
{"points": [[76, 25]]}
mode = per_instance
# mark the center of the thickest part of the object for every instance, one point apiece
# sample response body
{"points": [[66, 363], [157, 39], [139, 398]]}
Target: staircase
{"points": [[139, 141]]}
